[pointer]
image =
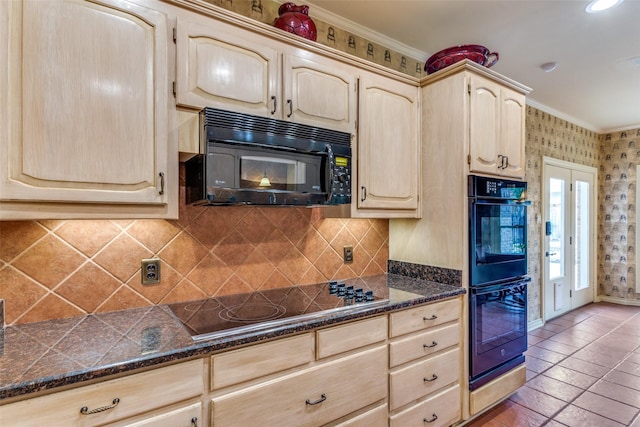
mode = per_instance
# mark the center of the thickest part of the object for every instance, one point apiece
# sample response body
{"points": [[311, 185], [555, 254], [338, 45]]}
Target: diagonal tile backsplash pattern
{"points": [[62, 268]]}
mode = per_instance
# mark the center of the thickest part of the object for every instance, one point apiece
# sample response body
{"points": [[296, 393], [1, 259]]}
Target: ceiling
{"points": [[595, 85]]}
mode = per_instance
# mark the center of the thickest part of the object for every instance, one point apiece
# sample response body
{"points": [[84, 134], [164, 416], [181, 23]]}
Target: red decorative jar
{"points": [[295, 19], [451, 55]]}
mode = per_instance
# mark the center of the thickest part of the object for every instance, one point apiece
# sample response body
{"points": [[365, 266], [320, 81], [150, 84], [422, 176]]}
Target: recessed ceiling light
{"points": [[548, 67], [600, 5]]}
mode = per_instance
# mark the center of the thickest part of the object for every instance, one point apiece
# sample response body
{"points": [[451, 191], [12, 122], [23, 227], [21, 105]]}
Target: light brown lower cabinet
{"points": [[396, 370], [187, 415], [440, 409], [308, 397], [425, 365], [115, 400]]}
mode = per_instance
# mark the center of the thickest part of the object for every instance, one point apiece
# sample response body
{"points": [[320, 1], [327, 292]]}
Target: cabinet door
{"points": [[86, 104], [222, 66], [497, 129], [388, 152], [512, 115], [320, 92], [484, 125]]}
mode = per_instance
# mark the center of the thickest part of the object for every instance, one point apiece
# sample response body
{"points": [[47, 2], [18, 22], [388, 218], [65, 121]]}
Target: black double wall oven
{"points": [[497, 277]]}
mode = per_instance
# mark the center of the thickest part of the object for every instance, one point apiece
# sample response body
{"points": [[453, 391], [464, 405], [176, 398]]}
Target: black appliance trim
{"points": [[235, 127]]}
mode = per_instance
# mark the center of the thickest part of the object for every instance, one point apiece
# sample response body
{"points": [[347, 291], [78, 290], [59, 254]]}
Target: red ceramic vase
{"points": [[295, 19], [451, 55]]}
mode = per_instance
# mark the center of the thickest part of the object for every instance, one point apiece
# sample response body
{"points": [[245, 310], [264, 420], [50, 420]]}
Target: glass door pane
{"points": [[582, 249], [557, 218]]}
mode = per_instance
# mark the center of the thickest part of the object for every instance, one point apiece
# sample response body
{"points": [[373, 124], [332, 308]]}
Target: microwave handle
{"points": [[330, 166]]}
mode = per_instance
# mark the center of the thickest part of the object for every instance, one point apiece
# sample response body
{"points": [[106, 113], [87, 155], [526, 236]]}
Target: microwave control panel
{"points": [[341, 183]]}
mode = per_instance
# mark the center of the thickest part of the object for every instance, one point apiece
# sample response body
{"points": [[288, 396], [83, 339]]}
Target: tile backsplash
{"points": [[62, 268]]}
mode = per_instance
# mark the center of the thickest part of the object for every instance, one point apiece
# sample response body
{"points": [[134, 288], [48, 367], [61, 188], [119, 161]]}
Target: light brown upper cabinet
{"points": [[388, 149], [85, 103], [497, 128], [229, 67]]}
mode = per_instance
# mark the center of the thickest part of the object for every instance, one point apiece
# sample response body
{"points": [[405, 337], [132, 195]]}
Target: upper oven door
{"points": [[498, 240]]}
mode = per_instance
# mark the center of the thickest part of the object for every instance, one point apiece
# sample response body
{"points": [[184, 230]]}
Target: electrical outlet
{"points": [[348, 254], [150, 271]]}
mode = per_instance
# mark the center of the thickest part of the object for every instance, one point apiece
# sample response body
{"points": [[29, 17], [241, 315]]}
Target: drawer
{"points": [[442, 409], [423, 344], [348, 337], [376, 417], [421, 378], [236, 366], [311, 397], [138, 393], [424, 316], [497, 389], [183, 416]]}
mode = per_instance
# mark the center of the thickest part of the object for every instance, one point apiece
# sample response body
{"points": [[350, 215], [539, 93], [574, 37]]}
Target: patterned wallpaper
{"points": [[266, 11], [547, 135], [619, 154]]}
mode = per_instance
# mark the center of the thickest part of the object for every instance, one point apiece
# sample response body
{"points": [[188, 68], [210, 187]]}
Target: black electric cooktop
{"points": [[239, 313]]}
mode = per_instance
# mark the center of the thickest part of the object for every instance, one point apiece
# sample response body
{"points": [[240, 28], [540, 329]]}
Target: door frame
{"points": [[593, 261]]}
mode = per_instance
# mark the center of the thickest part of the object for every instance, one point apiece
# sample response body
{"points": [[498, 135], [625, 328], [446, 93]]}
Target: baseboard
{"points": [[617, 300], [535, 324]]}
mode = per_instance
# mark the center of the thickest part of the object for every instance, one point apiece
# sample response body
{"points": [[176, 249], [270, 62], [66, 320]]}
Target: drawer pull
{"points": [[433, 344], [194, 422], [433, 317], [433, 418], [323, 397], [433, 378], [85, 411]]}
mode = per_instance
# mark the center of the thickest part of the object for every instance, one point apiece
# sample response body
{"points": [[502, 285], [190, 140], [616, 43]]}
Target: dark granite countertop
{"points": [[45, 355]]}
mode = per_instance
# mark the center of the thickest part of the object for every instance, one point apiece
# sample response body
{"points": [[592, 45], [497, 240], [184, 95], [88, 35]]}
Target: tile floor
{"points": [[583, 370]]}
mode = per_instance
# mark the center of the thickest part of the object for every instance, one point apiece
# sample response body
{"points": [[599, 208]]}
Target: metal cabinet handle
{"points": [[506, 162], [85, 411], [433, 317], [194, 422], [290, 104], [433, 344], [323, 397], [433, 378], [161, 175], [501, 161], [433, 418], [364, 194], [275, 104]]}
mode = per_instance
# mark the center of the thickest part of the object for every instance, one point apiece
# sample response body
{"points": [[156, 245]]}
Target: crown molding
{"points": [[563, 116]]}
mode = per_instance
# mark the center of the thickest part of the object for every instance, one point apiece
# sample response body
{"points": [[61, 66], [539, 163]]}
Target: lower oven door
{"points": [[498, 325]]}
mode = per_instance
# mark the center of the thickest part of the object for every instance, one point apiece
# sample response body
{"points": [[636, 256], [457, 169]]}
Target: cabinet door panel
{"points": [[484, 125], [88, 101], [388, 149], [218, 67], [321, 94], [513, 132]]}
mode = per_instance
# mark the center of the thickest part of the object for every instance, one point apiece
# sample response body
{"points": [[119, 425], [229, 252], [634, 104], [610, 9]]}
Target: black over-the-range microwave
{"points": [[247, 159]]}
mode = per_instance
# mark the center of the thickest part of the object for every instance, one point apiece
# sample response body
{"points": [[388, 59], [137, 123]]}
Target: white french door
{"points": [[569, 236]]}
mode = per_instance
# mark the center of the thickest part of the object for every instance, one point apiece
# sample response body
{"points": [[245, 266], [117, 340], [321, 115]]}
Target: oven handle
{"points": [[497, 201], [497, 287]]}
